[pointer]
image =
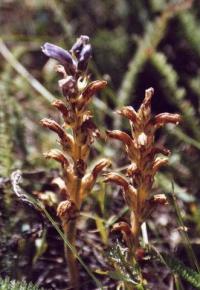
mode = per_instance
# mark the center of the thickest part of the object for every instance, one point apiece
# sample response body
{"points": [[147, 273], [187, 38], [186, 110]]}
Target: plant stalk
{"points": [[135, 229], [70, 227], [70, 232]]}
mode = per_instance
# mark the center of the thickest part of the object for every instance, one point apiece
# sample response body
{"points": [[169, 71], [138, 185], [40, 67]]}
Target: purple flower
{"points": [[59, 54], [74, 61], [84, 57], [79, 44]]}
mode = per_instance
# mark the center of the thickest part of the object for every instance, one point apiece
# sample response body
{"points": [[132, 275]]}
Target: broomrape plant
{"points": [[76, 183], [77, 90], [144, 163]]}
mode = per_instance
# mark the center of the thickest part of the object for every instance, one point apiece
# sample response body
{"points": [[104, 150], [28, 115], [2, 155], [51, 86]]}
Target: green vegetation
{"points": [[7, 284]]}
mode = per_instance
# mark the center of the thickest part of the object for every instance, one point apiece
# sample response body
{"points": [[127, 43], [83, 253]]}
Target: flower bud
{"points": [[88, 92], [84, 57], [78, 45], [52, 125]]}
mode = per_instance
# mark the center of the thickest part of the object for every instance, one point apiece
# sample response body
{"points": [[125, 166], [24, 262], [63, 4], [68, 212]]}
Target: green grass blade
{"points": [[188, 246], [176, 266]]}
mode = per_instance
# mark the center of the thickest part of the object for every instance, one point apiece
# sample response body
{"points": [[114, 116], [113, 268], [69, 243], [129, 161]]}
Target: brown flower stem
{"points": [[135, 228], [70, 232], [70, 228]]}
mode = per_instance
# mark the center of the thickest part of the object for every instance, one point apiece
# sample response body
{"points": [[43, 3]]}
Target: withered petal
{"points": [[132, 169], [90, 130], [128, 112], [148, 96], [119, 135], [146, 104], [93, 88], [164, 118], [89, 179], [60, 105], [53, 125], [158, 163], [65, 138], [66, 111], [100, 166], [159, 150], [68, 87], [67, 210], [118, 179], [57, 155]]}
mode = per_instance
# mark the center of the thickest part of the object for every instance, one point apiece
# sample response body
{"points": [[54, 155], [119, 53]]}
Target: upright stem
{"points": [[70, 228], [70, 232], [135, 228], [78, 92]]}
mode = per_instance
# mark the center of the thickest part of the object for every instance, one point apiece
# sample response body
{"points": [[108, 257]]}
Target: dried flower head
{"points": [[144, 162]]}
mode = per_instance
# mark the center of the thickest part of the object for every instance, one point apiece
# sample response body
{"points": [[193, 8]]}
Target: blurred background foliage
{"points": [[136, 44]]}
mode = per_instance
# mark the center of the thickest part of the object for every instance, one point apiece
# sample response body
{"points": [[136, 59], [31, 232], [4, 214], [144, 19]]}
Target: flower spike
{"points": [[77, 91], [144, 162]]}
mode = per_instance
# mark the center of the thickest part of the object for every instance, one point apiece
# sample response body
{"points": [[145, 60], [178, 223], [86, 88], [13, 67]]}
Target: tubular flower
{"points": [[144, 162]]}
